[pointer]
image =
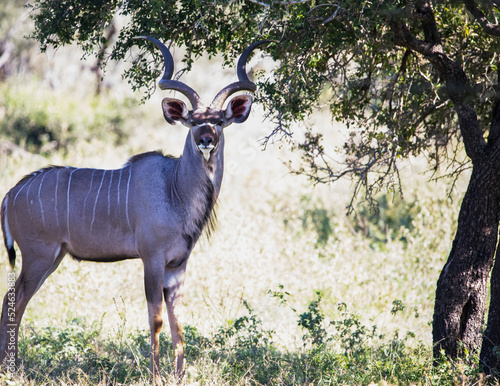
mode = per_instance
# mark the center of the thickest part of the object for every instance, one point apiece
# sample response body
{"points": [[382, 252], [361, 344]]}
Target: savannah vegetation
{"points": [[289, 290], [407, 78]]}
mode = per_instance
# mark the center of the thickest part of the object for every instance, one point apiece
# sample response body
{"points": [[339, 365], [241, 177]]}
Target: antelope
{"points": [[154, 208]]}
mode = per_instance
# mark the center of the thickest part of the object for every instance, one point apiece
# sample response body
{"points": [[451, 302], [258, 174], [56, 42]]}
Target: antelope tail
{"points": [[7, 236]]}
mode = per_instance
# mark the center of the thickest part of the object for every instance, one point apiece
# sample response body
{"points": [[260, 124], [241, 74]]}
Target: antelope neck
{"points": [[193, 167]]}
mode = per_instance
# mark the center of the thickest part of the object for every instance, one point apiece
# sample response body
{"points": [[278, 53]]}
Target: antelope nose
{"points": [[206, 141]]}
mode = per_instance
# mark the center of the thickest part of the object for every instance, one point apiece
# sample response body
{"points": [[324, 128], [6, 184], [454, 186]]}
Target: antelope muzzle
{"points": [[206, 138]]}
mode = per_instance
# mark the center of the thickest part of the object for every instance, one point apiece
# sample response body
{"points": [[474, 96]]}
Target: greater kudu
{"points": [[154, 208]]}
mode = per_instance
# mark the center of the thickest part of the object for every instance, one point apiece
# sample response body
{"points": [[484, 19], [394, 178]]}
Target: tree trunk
{"points": [[462, 287], [463, 284], [491, 337]]}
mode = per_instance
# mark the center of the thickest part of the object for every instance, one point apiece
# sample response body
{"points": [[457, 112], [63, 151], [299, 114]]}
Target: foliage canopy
{"points": [[346, 55]]}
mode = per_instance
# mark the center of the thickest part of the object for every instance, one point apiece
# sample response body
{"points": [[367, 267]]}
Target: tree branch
{"points": [[451, 73], [489, 28], [495, 119], [291, 2], [423, 13]]}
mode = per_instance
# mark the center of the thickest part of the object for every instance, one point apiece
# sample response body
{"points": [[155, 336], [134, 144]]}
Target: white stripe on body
{"points": [[55, 198], [39, 198], [88, 193], [109, 192], [126, 197], [33, 179], [67, 202], [119, 181], [19, 191], [97, 198]]}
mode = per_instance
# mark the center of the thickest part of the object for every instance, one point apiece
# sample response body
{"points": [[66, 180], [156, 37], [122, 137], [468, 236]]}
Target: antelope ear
{"points": [[174, 110], [238, 109]]}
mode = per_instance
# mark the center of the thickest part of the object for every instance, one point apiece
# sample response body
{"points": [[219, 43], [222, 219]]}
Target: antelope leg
{"points": [[173, 282], [153, 282], [39, 261]]}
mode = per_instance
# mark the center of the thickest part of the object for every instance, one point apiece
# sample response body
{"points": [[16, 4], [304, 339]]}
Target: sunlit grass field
{"points": [[288, 290]]}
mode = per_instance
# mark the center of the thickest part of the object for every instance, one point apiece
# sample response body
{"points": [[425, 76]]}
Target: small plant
{"points": [[397, 306], [243, 332], [245, 347], [281, 295], [351, 332], [312, 322]]}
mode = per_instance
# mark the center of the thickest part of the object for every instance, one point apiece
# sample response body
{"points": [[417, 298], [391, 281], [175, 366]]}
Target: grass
{"points": [[242, 351], [287, 291]]}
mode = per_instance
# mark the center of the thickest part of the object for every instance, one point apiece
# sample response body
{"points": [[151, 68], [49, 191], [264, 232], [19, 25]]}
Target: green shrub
{"points": [[42, 122], [54, 350], [386, 220], [312, 216]]}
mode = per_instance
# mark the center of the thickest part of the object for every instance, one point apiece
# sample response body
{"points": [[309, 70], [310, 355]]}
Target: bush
{"points": [[41, 122], [387, 220], [312, 216]]}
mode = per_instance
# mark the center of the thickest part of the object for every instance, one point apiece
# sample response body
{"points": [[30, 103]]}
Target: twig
{"points": [[279, 2]]}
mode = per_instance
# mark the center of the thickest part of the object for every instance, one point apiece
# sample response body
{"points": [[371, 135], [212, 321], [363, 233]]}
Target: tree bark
{"points": [[491, 337], [462, 287]]}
